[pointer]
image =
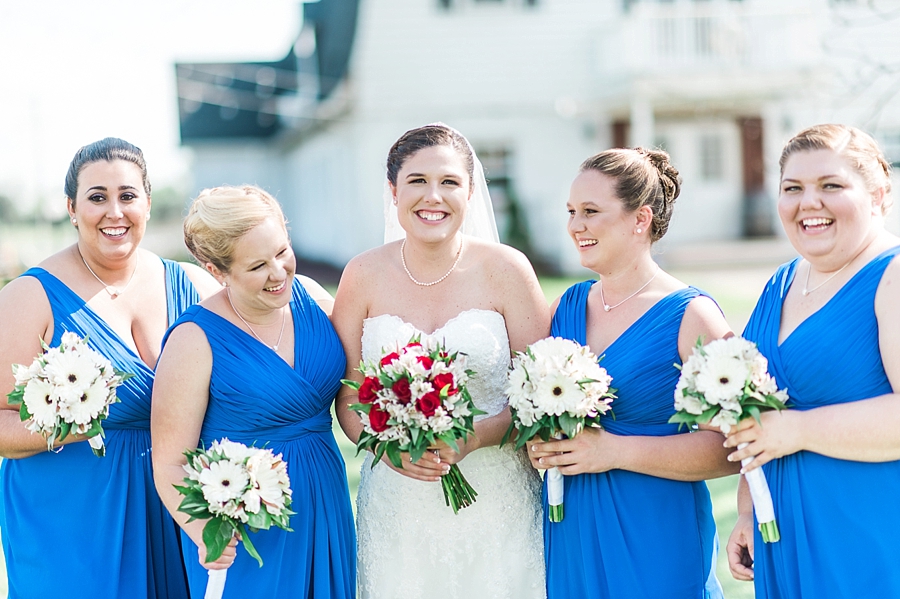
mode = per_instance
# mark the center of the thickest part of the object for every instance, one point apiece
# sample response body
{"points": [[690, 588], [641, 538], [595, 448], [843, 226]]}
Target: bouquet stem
{"points": [[458, 493], [762, 502], [555, 494], [97, 446], [215, 585]]}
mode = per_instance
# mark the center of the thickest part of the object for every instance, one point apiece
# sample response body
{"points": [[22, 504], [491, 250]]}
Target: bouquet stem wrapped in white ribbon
{"points": [[235, 488], [721, 384], [67, 390], [556, 388]]}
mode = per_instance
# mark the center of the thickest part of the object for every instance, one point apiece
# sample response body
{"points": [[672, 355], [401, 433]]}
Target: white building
{"points": [[538, 86]]}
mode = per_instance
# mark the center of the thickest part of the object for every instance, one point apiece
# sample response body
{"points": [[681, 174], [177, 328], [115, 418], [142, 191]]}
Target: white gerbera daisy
{"points": [[81, 408], [557, 393], [223, 481], [73, 370], [237, 452], [722, 378], [41, 403]]}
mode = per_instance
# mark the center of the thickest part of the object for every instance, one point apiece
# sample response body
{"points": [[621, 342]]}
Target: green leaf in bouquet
{"points": [[394, 454], [63, 431], [352, 384], [449, 440], [216, 535], [96, 429], [754, 412], [508, 433], [361, 407], [416, 451], [569, 424], [261, 520], [24, 414], [16, 396], [379, 453], [414, 434], [683, 419]]}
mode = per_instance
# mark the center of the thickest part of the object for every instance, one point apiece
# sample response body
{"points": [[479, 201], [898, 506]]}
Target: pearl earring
{"points": [[148, 216], [639, 231], [74, 221]]}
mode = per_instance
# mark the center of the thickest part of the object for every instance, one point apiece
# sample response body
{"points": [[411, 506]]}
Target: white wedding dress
{"points": [[411, 545]]}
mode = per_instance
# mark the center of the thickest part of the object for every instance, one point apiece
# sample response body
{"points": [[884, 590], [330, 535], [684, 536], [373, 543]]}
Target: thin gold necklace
{"points": [[420, 283], [283, 319], [607, 307], [113, 292]]}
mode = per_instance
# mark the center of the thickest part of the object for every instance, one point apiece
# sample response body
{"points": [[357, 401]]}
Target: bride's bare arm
{"points": [[351, 307]]}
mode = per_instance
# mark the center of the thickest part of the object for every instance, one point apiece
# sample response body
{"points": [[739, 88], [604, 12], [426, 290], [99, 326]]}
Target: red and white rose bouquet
{"points": [[67, 390], [556, 388], [235, 488], [721, 384], [411, 398]]}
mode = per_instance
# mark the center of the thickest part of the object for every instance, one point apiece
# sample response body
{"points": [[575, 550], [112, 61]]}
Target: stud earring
{"points": [[639, 231], [74, 221], [148, 216]]}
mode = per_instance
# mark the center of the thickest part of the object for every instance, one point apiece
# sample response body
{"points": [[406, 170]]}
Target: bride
{"points": [[442, 273]]}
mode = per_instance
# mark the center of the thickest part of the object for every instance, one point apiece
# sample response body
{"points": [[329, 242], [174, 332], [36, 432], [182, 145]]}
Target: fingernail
{"points": [[534, 448], [540, 460], [730, 458]]}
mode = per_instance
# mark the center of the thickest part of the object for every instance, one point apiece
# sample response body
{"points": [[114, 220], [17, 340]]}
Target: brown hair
{"points": [[643, 178], [222, 215], [107, 149], [426, 137], [857, 146]]}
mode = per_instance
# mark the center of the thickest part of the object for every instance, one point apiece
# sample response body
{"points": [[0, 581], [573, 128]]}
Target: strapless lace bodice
{"points": [[480, 334], [411, 545]]}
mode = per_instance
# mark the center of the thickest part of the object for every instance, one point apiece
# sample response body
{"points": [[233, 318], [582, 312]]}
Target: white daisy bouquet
{"points": [[67, 390], [234, 487], [410, 399], [556, 387], [721, 384]]}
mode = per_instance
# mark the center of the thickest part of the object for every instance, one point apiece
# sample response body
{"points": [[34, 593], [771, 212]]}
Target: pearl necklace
{"points": [[607, 307], [806, 290], [420, 283], [113, 292], [280, 335]]}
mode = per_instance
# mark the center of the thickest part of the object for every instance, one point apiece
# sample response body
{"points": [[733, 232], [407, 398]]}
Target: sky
{"points": [[75, 71]]}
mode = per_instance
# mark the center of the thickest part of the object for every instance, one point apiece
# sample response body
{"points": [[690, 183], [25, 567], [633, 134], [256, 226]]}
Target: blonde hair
{"points": [[643, 178], [220, 216], [857, 146]]}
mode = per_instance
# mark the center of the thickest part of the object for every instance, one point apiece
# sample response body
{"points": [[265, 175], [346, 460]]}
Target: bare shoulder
{"points": [[888, 295], [204, 282], [186, 339], [318, 293], [503, 261], [703, 319], [24, 305]]}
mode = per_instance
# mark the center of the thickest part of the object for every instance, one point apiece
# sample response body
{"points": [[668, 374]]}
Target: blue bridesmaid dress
{"points": [[78, 526], [839, 519], [627, 535], [256, 398]]}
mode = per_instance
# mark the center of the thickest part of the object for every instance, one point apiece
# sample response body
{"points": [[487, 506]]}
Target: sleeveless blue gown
{"points": [[255, 397], [839, 519], [627, 535], [78, 526]]}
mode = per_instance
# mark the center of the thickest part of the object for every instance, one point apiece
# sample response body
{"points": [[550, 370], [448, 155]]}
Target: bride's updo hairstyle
{"points": [[107, 150], [855, 145], [643, 178], [426, 137], [222, 215]]}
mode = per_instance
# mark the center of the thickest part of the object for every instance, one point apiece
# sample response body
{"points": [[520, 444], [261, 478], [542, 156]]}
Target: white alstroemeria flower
{"points": [[419, 387], [722, 378], [24, 374], [234, 509], [557, 393], [689, 403], [41, 402], [70, 339], [267, 482], [72, 370], [237, 452], [85, 406], [724, 420], [223, 481], [440, 422]]}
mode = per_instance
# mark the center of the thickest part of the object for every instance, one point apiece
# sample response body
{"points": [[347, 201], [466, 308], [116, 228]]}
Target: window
{"points": [[712, 165]]}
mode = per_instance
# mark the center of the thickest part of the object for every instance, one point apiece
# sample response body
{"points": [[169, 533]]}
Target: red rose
{"points": [[428, 403], [413, 344], [367, 391], [401, 390], [378, 419], [425, 361], [443, 380], [386, 361]]}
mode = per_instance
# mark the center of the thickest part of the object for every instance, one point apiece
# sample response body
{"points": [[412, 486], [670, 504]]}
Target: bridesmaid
{"points": [[258, 363], [75, 525], [830, 326], [638, 517]]}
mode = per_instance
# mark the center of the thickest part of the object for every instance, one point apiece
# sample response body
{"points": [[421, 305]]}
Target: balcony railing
{"points": [[683, 38]]}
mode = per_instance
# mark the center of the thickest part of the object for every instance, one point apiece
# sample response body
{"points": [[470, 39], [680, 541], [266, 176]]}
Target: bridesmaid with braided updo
{"points": [[638, 521]]}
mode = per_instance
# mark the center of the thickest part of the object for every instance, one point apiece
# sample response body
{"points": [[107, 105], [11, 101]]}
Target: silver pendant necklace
{"points": [[806, 290], [420, 283], [280, 335], [113, 292], [607, 307]]}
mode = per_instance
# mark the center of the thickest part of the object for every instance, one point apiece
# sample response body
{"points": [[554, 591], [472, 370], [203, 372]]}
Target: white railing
{"points": [[686, 37]]}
